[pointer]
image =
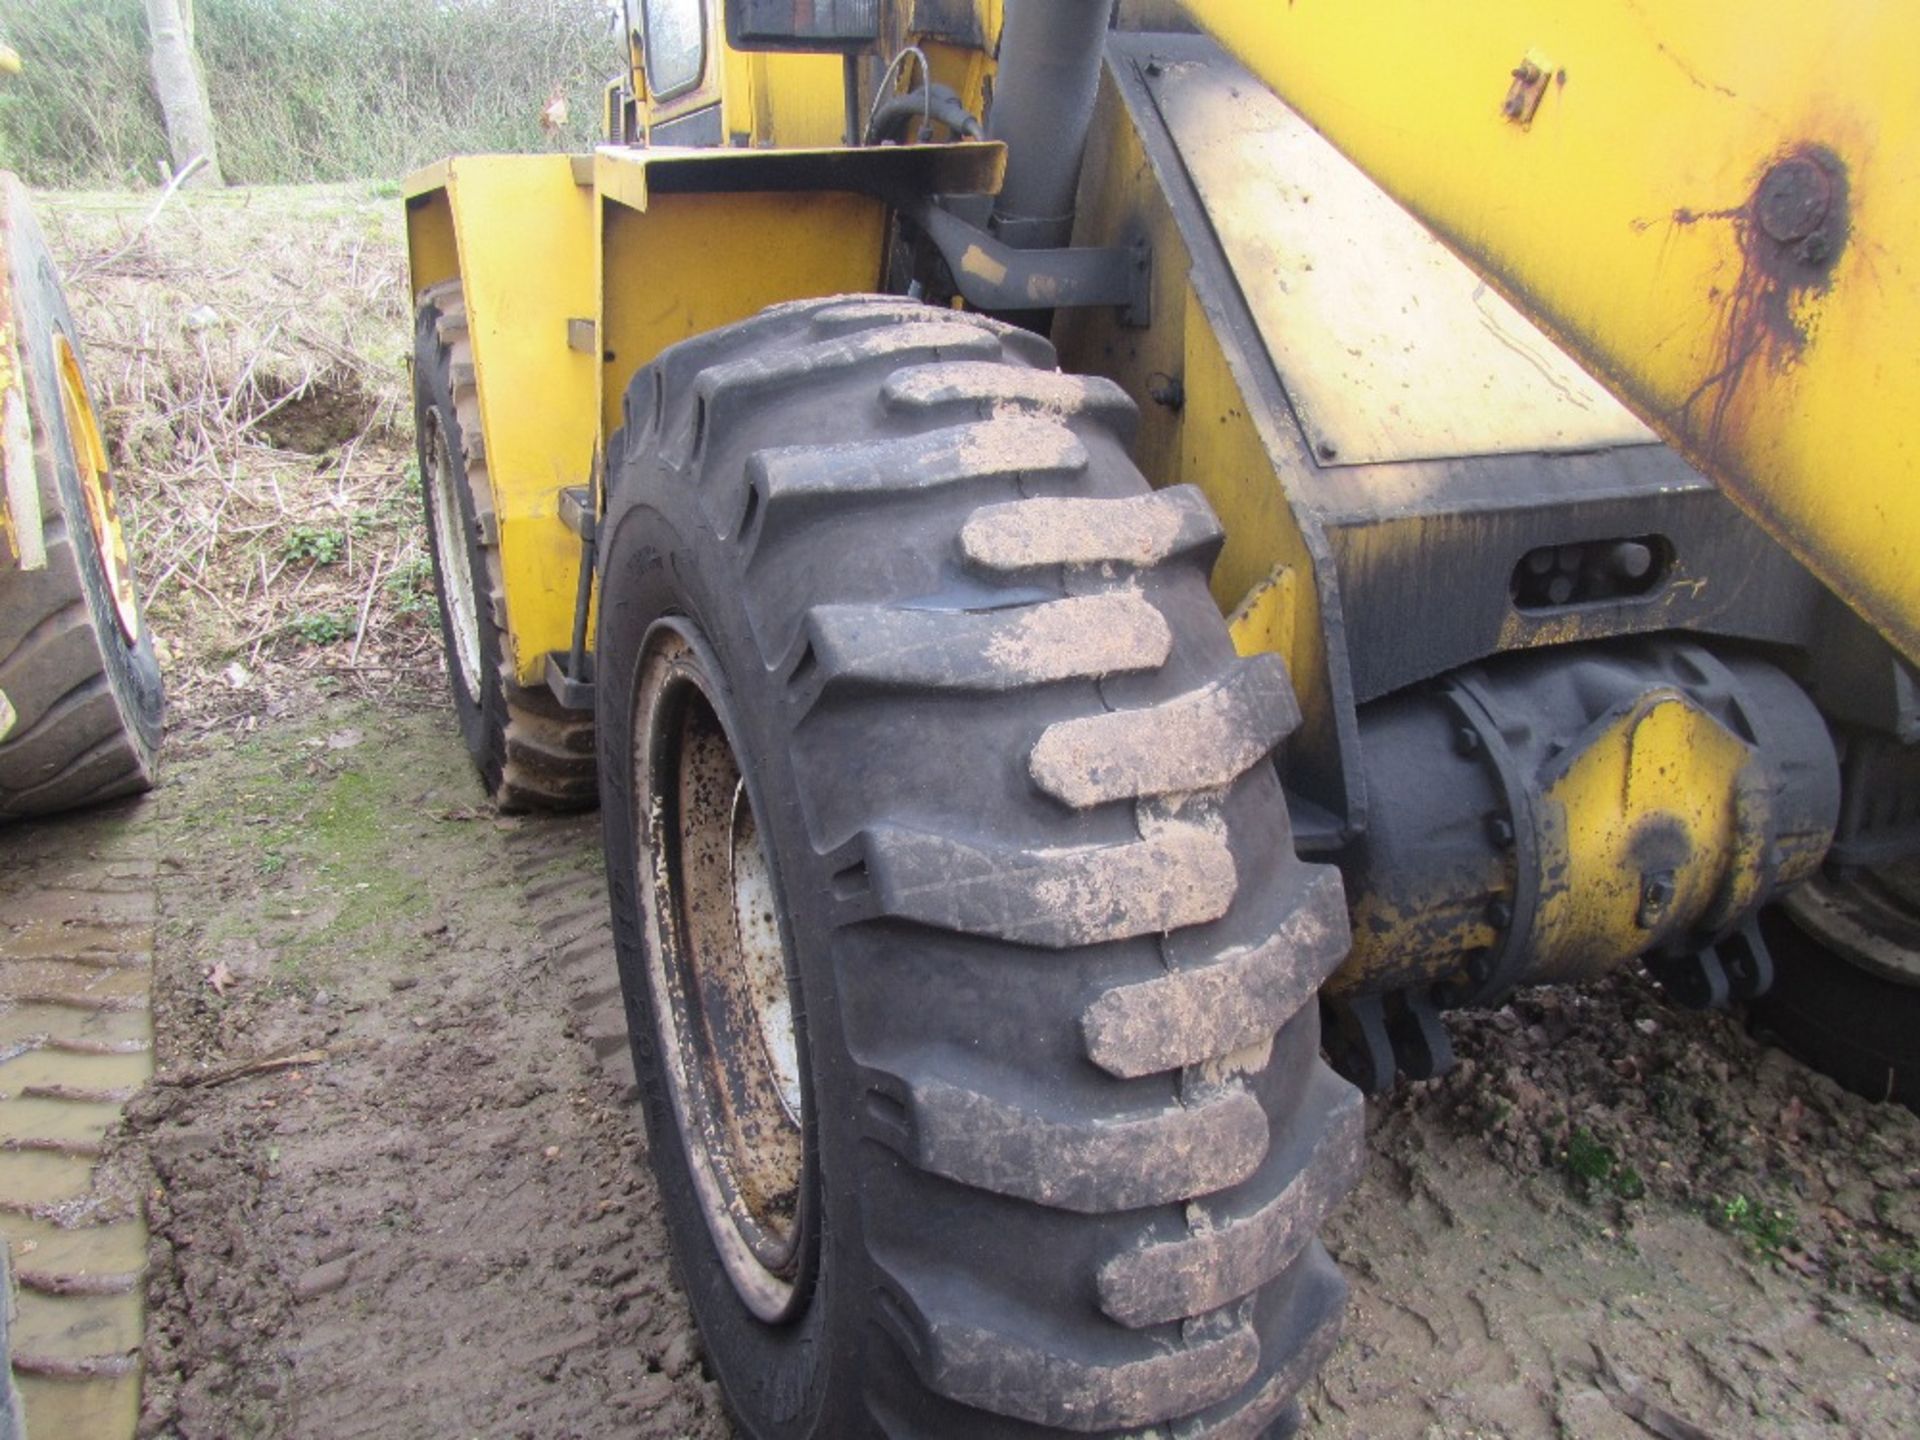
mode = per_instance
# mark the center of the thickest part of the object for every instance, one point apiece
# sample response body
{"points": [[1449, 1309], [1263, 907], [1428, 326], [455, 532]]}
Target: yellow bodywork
{"points": [[518, 231], [542, 241], [1617, 206], [18, 487], [1599, 166], [22, 541], [789, 100], [1665, 774]]}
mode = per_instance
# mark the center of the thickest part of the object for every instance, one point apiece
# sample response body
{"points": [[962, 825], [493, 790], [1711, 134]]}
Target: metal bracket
{"points": [[1358, 1044], [994, 276], [1373, 1038], [569, 674], [1737, 967], [1748, 962], [572, 693], [576, 510]]}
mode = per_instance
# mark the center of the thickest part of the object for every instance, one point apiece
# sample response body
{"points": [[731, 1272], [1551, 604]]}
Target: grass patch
{"points": [[1594, 1170], [317, 545], [302, 89], [324, 821], [1768, 1228]]}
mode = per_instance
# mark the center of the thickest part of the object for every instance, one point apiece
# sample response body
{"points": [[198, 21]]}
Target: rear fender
{"points": [[578, 270]]}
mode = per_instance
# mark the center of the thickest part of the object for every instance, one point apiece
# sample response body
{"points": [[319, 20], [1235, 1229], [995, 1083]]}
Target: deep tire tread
{"points": [[87, 705], [1233, 1256], [1085, 637], [1090, 1164], [1204, 739], [1138, 531], [1226, 1003], [535, 755], [1139, 843]]}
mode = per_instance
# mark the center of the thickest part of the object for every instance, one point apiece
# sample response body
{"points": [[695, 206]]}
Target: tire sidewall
{"points": [[41, 313], [800, 1378], [433, 399]]}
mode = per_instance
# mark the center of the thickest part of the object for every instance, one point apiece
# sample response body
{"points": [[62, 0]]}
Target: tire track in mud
{"points": [[77, 909], [559, 867], [446, 1228], [442, 1224]]}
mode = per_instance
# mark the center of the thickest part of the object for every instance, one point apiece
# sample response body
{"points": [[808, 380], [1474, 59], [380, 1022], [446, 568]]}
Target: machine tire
{"points": [[83, 704], [532, 754], [1064, 1136], [1841, 1017]]}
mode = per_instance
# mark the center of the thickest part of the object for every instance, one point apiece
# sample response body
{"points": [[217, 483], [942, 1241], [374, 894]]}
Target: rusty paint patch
{"points": [[1792, 231]]}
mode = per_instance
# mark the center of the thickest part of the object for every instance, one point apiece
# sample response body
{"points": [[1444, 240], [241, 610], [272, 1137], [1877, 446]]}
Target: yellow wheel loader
{"points": [[1108, 565], [80, 689]]}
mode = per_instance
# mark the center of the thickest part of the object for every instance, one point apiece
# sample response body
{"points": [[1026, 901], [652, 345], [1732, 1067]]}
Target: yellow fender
{"points": [[578, 270]]}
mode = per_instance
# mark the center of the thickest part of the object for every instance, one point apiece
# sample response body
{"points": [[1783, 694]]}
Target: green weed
{"points": [[322, 627], [1898, 1260], [1766, 1227], [1594, 1170], [410, 588], [320, 545]]}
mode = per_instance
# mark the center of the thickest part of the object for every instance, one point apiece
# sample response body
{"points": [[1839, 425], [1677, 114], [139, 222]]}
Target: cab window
{"points": [[675, 38]]}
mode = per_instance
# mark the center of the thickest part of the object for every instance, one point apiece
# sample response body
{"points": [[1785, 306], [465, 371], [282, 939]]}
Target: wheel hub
{"points": [[721, 985]]}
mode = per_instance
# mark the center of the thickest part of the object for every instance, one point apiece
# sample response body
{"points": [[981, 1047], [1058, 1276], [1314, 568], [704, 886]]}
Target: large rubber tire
{"points": [[85, 702], [1846, 989], [532, 754], [1067, 1134]]}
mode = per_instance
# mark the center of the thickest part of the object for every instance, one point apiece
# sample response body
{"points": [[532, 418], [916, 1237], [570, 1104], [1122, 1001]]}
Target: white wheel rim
{"points": [[456, 561], [720, 989]]}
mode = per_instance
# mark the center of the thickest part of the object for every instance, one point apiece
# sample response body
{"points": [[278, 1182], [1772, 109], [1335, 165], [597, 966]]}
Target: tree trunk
{"points": [[182, 88]]}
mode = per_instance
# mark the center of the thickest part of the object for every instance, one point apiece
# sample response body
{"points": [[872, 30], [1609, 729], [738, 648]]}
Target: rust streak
{"points": [[1792, 231]]}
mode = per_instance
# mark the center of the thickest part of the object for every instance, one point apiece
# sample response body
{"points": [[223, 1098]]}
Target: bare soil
{"points": [[436, 1220], [1617, 1218], [433, 1220], [429, 1215]]}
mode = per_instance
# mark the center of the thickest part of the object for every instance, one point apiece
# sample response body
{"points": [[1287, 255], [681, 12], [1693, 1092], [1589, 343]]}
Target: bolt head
{"points": [[1793, 199]]}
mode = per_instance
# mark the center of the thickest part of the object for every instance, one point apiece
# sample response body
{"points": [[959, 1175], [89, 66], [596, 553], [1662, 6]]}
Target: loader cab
{"points": [[764, 74], [672, 90]]}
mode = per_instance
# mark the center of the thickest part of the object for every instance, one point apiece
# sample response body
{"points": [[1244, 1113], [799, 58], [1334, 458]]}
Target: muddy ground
{"points": [[428, 1214], [432, 1221], [435, 1219]]}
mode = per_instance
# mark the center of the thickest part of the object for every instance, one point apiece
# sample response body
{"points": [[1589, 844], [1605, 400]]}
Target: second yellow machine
{"points": [[1070, 547]]}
